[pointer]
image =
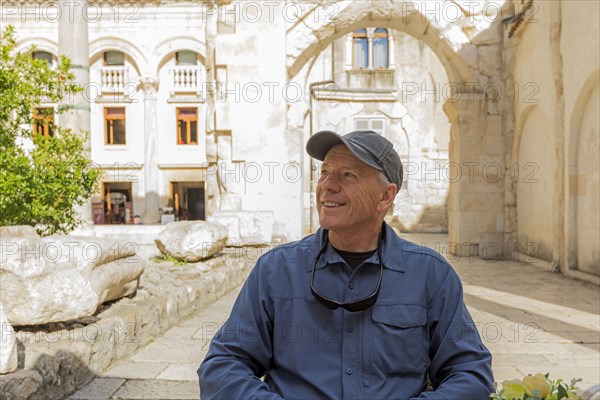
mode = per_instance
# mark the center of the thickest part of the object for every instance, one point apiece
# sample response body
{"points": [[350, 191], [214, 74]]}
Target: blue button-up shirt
{"points": [[418, 328]]}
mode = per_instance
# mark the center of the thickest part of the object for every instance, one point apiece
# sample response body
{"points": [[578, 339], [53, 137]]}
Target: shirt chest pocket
{"points": [[400, 339]]}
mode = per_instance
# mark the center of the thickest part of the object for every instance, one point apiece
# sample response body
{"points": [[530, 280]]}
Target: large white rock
{"points": [[8, 347], [246, 227], [22, 231], [191, 240], [59, 278]]}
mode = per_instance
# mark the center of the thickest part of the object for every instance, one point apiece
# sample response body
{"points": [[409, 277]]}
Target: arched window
{"points": [[113, 57], [43, 55], [381, 49], [360, 49]]}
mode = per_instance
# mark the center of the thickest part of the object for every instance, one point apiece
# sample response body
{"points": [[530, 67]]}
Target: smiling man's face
{"points": [[348, 193]]}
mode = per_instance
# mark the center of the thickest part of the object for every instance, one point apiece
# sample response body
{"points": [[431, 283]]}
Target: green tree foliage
{"points": [[42, 179]]}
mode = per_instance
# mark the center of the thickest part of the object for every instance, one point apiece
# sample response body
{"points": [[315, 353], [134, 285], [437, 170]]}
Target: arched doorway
{"points": [[475, 226]]}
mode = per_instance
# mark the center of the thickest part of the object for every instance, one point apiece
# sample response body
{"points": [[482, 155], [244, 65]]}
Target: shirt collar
{"points": [[391, 251]]}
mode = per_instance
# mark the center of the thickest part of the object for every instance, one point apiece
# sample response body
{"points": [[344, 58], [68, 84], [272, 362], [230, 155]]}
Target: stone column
{"points": [[560, 237], [476, 174], [213, 187], [370, 33], [391, 50], [73, 43], [151, 214], [349, 61]]}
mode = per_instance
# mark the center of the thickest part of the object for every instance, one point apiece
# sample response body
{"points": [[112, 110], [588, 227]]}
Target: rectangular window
{"points": [[186, 57], [114, 121], [114, 58], [381, 49], [43, 121], [187, 126], [371, 124], [360, 49]]}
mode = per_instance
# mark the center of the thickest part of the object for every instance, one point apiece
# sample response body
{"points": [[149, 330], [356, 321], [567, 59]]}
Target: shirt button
{"points": [[351, 285], [349, 328], [349, 371]]}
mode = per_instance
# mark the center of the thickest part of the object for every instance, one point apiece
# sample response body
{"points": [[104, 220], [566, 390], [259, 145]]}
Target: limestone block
{"points": [[490, 62], [468, 53], [494, 145], [246, 227], [494, 125], [231, 202], [491, 35], [21, 231], [232, 176], [211, 149], [414, 25], [191, 240], [59, 278], [224, 147], [491, 245], [380, 11], [343, 14], [8, 349]]}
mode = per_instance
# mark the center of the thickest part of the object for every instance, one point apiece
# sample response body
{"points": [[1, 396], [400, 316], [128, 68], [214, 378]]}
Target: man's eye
{"points": [[349, 174]]}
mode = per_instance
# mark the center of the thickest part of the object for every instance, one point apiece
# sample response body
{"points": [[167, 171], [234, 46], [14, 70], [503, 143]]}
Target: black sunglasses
{"points": [[353, 306]]}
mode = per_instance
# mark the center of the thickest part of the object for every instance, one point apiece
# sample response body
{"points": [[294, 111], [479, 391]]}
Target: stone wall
{"points": [[556, 66], [55, 359]]}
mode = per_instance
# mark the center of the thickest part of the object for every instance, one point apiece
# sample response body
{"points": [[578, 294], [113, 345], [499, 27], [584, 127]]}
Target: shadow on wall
{"points": [[534, 248]]}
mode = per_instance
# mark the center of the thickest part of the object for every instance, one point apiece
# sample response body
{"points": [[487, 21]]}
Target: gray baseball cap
{"points": [[370, 147]]}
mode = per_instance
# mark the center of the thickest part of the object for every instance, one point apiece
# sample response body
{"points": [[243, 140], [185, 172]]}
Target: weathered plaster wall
{"points": [[535, 107], [254, 111], [588, 187], [580, 43], [536, 185], [557, 61]]}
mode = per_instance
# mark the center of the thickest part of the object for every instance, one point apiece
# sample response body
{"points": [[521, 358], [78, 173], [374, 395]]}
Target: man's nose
{"points": [[331, 182]]}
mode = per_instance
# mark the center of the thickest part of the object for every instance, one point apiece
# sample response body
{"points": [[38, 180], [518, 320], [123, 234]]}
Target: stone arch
{"points": [[471, 227], [583, 180], [41, 43], [137, 57], [391, 15], [165, 49]]}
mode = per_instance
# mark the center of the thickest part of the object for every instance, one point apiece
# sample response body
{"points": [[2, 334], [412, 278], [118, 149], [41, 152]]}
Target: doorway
{"points": [[188, 200], [116, 206]]}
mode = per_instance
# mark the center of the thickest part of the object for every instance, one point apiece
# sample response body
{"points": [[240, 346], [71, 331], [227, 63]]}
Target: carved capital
{"points": [[149, 85]]}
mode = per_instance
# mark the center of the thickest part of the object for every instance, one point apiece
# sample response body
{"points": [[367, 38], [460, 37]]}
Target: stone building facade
{"points": [[206, 106]]}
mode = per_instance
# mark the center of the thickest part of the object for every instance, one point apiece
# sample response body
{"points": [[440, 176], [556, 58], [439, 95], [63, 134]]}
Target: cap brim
{"points": [[321, 142]]}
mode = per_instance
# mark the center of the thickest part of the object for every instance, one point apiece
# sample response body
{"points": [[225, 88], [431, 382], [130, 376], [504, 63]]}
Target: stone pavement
{"points": [[166, 368], [532, 320]]}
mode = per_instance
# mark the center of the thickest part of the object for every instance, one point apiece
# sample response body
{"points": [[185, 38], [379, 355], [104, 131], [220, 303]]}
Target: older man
{"points": [[353, 311]]}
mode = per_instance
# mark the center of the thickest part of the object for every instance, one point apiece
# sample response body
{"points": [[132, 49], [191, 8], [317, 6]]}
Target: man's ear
{"points": [[387, 197]]}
